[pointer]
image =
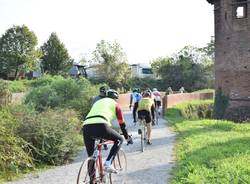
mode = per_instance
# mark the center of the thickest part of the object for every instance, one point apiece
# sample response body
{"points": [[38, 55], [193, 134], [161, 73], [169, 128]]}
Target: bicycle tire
{"points": [[84, 176], [120, 164]]}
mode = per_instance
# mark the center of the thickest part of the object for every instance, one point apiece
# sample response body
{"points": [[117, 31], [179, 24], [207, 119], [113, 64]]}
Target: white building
{"points": [[141, 70]]}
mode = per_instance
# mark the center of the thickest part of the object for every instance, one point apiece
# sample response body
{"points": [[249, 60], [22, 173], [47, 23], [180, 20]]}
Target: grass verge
{"points": [[210, 151]]}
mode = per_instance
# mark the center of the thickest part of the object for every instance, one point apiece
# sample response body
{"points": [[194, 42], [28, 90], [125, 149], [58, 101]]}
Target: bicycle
{"points": [[92, 168], [142, 131], [157, 114]]}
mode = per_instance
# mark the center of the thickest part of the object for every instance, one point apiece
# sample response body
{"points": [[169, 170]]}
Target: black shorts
{"points": [[146, 114], [158, 103]]}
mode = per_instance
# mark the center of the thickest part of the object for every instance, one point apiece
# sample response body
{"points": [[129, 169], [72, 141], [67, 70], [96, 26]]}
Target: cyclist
{"points": [[97, 124], [135, 97], [157, 98], [146, 108], [182, 90], [102, 94]]}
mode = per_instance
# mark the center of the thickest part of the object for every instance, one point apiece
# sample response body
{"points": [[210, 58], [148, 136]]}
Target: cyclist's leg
{"points": [[148, 120], [153, 115], [159, 107], [139, 115], [134, 111], [118, 140], [89, 144]]}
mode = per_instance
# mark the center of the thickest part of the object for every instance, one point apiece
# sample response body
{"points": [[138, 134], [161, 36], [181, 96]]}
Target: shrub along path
{"points": [[150, 167]]}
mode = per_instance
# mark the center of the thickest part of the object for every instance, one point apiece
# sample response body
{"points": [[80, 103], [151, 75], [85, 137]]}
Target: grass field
{"points": [[210, 151]]}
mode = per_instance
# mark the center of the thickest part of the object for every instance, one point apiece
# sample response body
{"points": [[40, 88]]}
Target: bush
{"points": [[54, 135], [45, 80], [14, 151], [197, 109], [63, 93], [18, 86], [5, 93]]}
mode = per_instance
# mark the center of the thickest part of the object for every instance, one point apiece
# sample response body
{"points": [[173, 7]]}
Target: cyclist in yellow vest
{"points": [[146, 108], [97, 124]]}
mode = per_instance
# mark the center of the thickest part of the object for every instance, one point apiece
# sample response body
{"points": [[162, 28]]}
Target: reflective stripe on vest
{"points": [[105, 107]]}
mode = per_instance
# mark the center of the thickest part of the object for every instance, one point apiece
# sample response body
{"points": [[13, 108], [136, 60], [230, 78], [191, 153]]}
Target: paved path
{"points": [[150, 167]]}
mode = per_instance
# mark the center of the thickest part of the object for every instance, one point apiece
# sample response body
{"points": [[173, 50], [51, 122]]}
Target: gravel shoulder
{"points": [[152, 166]]}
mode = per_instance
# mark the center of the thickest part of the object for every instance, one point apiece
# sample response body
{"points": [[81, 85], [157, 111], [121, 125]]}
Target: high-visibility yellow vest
{"points": [[145, 104], [103, 111]]}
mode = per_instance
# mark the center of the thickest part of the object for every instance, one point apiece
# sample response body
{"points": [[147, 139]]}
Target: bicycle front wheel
{"points": [[120, 164], [89, 173]]}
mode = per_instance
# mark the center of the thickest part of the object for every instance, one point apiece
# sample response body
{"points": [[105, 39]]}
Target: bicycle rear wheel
{"points": [[87, 172], [120, 164]]}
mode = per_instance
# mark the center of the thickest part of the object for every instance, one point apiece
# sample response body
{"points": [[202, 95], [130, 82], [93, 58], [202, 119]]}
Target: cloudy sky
{"points": [[146, 29]]}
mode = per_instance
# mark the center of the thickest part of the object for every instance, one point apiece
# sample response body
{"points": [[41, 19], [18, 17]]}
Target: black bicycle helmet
{"points": [[102, 91], [112, 94]]}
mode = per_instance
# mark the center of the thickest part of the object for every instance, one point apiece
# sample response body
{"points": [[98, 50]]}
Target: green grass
{"points": [[210, 151], [204, 91]]}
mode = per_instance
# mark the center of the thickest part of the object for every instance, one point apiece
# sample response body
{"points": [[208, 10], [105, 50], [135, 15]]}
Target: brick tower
{"points": [[232, 58]]}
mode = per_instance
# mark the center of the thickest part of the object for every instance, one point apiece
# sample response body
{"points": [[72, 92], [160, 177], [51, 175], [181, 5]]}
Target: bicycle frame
{"points": [[99, 157], [98, 174]]}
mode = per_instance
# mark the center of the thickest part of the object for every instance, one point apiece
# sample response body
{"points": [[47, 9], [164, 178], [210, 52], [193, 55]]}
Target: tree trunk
{"points": [[16, 72]]}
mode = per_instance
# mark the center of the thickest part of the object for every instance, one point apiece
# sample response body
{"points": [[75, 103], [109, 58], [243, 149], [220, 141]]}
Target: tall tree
{"points": [[111, 62], [56, 59], [18, 50], [190, 67]]}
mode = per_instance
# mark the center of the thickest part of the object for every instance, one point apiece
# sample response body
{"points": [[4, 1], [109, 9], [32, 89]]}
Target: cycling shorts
{"points": [[146, 114]]}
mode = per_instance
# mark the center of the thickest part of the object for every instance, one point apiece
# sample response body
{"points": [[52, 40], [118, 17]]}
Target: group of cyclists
{"points": [[98, 122], [145, 105]]}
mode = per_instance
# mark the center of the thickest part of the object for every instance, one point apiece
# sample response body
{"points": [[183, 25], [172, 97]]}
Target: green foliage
{"points": [[5, 93], [145, 83], [58, 92], [14, 151], [191, 68], [18, 86], [56, 59], [17, 51], [210, 151], [196, 109], [111, 63], [205, 91], [52, 134], [45, 80], [220, 105]]}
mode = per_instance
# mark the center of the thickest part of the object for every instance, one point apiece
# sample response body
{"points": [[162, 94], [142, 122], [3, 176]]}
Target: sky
{"points": [[145, 29]]}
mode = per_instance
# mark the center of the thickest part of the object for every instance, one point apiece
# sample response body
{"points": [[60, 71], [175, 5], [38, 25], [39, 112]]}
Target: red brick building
{"points": [[232, 56]]}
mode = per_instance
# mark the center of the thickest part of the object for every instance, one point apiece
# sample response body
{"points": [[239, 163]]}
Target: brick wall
{"points": [[124, 100], [232, 54], [168, 100]]}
